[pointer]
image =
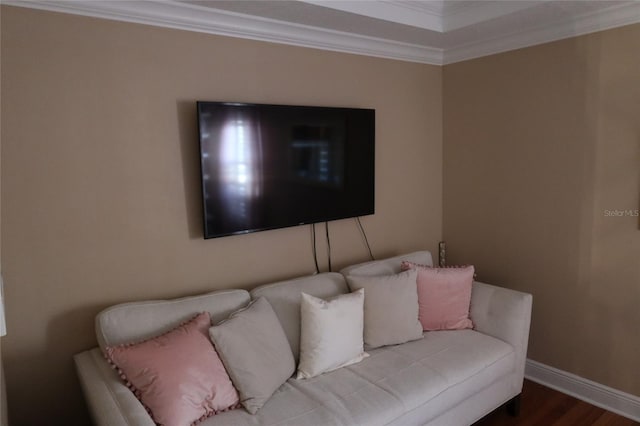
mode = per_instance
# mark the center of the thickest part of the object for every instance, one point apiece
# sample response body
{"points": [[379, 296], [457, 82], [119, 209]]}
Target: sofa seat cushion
{"points": [[393, 381]]}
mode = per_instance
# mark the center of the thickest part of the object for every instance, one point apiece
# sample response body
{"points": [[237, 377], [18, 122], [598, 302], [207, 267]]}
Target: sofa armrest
{"points": [[110, 402], [506, 315]]}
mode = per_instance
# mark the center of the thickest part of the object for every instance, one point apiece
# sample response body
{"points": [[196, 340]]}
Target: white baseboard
{"points": [[602, 396]]}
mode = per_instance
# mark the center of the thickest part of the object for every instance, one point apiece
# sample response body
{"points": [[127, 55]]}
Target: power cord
{"points": [[364, 234], [313, 247], [326, 227]]}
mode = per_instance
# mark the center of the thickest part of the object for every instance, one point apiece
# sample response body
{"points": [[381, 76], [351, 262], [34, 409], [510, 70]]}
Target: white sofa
{"points": [[447, 378]]}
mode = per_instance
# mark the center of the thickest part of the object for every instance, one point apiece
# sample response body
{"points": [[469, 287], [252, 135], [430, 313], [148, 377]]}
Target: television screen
{"points": [[273, 166]]}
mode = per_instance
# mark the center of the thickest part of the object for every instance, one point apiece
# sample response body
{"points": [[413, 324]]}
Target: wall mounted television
{"points": [[274, 166]]}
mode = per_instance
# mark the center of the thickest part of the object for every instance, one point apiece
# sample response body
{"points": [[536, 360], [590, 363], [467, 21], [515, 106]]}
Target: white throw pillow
{"points": [[331, 333], [390, 308]]}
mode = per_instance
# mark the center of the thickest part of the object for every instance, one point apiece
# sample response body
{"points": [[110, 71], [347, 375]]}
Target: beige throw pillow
{"points": [[390, 308], [330, 333], [255, 352]]}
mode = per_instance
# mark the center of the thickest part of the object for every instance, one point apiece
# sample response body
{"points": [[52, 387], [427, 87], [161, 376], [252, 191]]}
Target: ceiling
{"points": [[428, 31]]}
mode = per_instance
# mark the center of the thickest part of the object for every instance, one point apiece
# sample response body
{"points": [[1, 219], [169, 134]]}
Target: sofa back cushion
{"points": [[137, 321], [388, 266], [285, 298]]}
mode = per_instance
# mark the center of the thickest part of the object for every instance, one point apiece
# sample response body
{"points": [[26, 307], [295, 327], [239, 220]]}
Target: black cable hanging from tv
{"points": [[364, 234], [315, 253], [326, 227]]}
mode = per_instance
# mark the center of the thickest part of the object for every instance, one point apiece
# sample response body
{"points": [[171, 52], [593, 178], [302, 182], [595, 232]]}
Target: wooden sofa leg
{"points": [[513, 406]]}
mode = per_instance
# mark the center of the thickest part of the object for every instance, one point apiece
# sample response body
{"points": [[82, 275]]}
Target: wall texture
{"points": [[541, 191], [100, 191]]}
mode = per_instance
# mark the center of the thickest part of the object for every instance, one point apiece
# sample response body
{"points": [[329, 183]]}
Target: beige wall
{"points": [[100, 192], [539, 144], [100, 183]]}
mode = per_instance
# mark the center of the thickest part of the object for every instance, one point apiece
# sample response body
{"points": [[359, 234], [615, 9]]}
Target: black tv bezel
{"points": [[365, 212]]}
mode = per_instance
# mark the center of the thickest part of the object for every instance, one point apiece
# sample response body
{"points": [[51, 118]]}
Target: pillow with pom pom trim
{"points": [[178, 376]]}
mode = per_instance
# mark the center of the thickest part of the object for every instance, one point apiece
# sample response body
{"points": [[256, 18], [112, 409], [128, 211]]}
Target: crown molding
{"points": [[190, 17], [612, 17]]}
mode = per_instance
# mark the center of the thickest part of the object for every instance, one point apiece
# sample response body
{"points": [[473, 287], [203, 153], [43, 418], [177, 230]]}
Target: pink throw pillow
{"points": [[177, 376], [444, 296]]}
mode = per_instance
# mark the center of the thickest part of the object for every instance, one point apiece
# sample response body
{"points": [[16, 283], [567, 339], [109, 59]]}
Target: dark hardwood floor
{"points": [[541, 406]]}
